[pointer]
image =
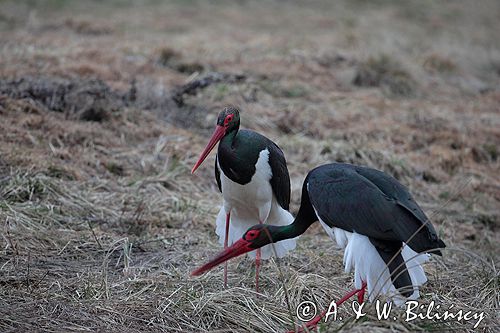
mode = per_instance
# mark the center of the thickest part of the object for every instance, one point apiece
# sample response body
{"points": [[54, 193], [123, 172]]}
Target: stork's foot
{"points": [[311, 325]]}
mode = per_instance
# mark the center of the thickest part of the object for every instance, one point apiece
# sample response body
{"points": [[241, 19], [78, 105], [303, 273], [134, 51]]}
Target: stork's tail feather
{"points": [[238, 227], [362, 256], [439, 245]]}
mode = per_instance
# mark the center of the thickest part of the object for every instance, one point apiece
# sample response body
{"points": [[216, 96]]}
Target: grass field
{"points": [[102, 222]]}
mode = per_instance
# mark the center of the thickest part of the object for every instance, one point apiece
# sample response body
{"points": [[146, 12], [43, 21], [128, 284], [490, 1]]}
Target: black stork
{"points": [[252, 175], [372, 216]]}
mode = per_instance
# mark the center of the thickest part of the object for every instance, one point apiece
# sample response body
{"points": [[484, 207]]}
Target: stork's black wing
{"points": [[371, 203], [217, 174], [280, 181], [396, 190]]}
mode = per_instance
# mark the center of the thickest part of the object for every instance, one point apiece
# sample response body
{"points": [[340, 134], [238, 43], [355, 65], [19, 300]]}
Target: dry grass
{"points": [[102, 221]]}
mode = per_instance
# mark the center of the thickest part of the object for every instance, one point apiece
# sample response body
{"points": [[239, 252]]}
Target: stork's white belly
{"points": [[252, 200], [251, 204]]}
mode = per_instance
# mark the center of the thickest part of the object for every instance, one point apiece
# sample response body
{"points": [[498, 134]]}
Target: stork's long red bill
{"points": [[218, 134], [240, 247]]}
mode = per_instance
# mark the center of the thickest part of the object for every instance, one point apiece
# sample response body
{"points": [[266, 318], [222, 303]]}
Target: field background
{"points": [[105, 107]]}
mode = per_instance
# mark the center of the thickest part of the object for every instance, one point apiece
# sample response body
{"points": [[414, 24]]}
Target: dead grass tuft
{"points": [[90, 100], [435, 63], [382, 71], [174, 60]]}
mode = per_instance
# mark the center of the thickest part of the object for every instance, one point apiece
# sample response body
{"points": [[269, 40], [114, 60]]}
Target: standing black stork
{"points": [[372, 216], [252, 175]]}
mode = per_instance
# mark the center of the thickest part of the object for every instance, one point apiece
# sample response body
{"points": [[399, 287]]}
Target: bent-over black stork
{"points": [[252, 175], [372, 216]]}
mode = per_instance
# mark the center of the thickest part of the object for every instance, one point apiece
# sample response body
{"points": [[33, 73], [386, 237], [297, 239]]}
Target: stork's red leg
{"points": [[257, 267], [361, 293], [228, 216], [310, 325]]}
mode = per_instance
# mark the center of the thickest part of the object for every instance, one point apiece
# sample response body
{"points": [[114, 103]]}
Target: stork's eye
{"points": [[228, 119], [251, 235]]}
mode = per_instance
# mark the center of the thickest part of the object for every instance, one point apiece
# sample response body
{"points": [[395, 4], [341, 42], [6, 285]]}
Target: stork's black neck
{"points": [[238, 153], [305, 217]]}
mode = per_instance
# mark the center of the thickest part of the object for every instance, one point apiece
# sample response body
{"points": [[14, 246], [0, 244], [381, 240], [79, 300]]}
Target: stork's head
{"points": [[229, 118], [227, 122], [256, 237]]}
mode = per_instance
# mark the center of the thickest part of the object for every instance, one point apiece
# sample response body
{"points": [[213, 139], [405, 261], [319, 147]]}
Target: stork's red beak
{"points": [[218, 134], [240, 247]]}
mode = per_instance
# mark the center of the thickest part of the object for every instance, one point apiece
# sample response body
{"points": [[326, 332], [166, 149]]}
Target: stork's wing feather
{"points": [[397, 191], [217, 174], [280, 181], [370, 203]]}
